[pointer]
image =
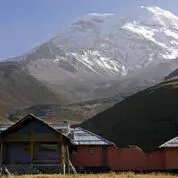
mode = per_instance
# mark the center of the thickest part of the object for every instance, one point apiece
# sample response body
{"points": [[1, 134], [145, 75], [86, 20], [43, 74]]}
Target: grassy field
{"points": [[111, 175]]}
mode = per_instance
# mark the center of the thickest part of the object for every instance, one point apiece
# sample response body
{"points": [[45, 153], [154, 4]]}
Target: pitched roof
{"points": [[171, 143], [26, 119], [81, 136]]}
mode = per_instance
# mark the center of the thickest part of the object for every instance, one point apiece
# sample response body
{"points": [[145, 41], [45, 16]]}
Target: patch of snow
{"points": [[174, 42], [138, 66], [160, 12], [140, 30], [150, 57], [151, 35], [124, 71], [94, 53], [171, 54], [108, 64], [103, 45], [56, 60], [83, 62], [108, 85], [171, 34], [85, 58]]}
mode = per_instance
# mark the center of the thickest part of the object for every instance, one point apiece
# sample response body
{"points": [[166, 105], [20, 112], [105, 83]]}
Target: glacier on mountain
{"points": [[113, 39], [115, 50]]}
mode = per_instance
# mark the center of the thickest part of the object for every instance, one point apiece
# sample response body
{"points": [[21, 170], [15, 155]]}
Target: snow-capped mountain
{"points": [[119, 45], [101, 55]]}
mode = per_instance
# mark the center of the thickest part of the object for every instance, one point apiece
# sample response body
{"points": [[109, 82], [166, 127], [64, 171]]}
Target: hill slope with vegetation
{"points": [[73, 113]]}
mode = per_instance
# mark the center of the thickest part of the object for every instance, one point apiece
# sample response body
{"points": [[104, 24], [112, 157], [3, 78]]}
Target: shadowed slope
{"points": [[146, 119]]}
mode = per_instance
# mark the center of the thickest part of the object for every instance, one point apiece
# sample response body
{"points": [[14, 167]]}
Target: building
{"points": [[103, 155], [170, 149], [32, 143], [32, 146], [96, 153], [91, 150]]}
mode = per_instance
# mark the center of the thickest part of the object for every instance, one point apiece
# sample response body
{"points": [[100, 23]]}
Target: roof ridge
{"points": [[28, 117]]}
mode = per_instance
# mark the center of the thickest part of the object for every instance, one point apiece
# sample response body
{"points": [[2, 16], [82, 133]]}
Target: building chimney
{"points": [[66, 129]]}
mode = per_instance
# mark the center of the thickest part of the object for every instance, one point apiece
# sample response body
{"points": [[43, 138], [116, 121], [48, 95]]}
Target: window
{"points": [[48, 147], [91, 149]]}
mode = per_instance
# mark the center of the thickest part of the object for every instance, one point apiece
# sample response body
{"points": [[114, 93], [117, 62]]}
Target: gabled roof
{"points": [[81, 136], [171, 143], [27, 119]]}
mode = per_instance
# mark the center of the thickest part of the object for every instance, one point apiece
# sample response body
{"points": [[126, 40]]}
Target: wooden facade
{"points": [[93, 156], [100, 154], [33, 142], [125, 159]]}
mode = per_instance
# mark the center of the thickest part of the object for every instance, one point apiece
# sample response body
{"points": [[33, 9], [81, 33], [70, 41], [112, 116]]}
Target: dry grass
{"points": [[110, 175]]}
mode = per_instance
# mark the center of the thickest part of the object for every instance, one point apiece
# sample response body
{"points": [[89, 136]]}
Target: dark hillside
{"points": [[146, 119]]}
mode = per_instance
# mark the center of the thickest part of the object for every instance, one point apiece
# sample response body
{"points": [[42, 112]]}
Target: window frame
{"points": [[92, 149], [42, 147]]}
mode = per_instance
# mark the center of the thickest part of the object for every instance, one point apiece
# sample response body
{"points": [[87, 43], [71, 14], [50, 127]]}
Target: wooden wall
{"points": [[32, 131], [48, 153], [171, 158], [22, 146], [17, 153], [126, 159], [83, 158], [21, 153], [135, 159], [34, 143]]}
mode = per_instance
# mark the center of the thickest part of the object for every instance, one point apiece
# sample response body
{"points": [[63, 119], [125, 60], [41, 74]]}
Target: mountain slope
{"points": [[19, 89], [146, 119], [73, 113], [172, 74], [98, 56], [99, 52]]}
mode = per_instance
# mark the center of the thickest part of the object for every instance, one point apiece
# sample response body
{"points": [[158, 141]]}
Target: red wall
{"points": [[127, 159], [171, 157], [155, 160], [83, 158], [135, 159]]}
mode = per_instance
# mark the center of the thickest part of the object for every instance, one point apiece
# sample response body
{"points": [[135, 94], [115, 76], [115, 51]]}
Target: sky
{"points": [[25, 24]]}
